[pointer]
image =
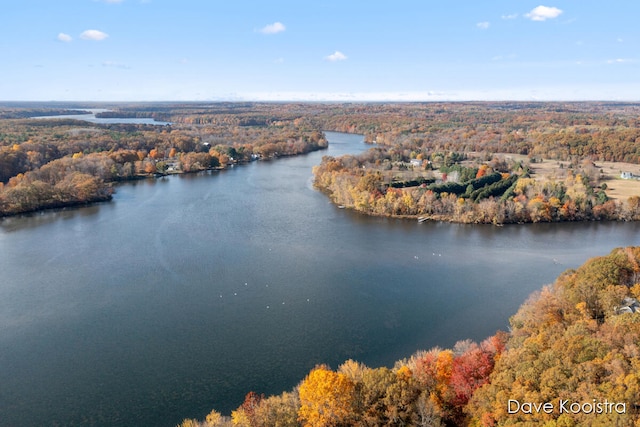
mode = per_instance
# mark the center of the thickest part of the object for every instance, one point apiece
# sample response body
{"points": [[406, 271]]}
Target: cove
{"points": [[187, 292]]}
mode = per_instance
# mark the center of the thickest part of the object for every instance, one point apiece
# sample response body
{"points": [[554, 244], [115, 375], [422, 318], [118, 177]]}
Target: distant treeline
{"points": [[562, 131], [557, 130], [131, 115], [21, 113]]}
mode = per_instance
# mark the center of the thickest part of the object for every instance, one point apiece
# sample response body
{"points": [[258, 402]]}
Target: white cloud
{"points": [[483, 25], [542, 13], [336, 56], [510, 16], [93, 35], [64, 37], [619, 40], [276, 27]]}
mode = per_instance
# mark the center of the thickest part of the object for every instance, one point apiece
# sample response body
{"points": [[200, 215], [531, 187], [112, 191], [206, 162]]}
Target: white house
{"points": [[628, 175], [629, 305]]}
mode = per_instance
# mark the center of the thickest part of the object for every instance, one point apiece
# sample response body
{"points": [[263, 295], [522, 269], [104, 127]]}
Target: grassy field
{"points": [[545, 169], [607, 172]]}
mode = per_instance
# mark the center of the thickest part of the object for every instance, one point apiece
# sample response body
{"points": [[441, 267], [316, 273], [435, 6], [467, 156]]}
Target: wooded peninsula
{"points": [[474, 162], [63, 162]]}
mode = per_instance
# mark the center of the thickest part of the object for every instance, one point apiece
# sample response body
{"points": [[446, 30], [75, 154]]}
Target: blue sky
{"points": [[154, 50]]}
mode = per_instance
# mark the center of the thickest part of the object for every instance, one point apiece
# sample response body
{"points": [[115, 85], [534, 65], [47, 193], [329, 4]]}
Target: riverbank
{"points": [[58, 205], [470, 188], [82, 179], [27, 196]]}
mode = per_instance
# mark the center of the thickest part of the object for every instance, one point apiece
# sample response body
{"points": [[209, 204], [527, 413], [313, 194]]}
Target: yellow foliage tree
{"points": [[239, 418], [188, 422], [213, 419], [325, 398]]}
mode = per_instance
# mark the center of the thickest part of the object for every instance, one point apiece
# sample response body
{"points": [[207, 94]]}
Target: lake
{"points": [[90, 116], [186, 292]]}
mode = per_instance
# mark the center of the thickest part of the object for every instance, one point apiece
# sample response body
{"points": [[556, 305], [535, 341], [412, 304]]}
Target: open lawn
{"points": [[606, 172], [544, 169]]}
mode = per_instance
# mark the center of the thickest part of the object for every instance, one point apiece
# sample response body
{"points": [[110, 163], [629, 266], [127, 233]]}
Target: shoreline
{"points": [[157, 175], [420, 218], [58, 207]]}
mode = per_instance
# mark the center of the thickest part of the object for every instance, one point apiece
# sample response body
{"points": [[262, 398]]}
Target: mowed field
{"points": [[608, 172], [544, 169]]}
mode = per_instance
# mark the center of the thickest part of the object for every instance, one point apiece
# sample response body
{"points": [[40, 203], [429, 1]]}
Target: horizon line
{"points": [[320, 101]]}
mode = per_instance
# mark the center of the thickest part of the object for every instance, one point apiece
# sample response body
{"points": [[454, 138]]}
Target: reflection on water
{"points": [[36, 219], [185, 293]]}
